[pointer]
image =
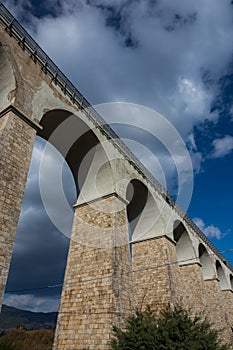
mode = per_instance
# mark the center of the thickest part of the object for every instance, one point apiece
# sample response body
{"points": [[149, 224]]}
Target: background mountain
{"points": [[11, 317]]}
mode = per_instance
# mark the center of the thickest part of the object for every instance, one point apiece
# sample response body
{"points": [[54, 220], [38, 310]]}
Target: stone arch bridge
{"points": [[168, 258]]}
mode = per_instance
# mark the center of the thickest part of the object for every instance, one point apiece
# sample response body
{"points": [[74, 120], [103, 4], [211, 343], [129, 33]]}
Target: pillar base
{"points": [[97, 290]]}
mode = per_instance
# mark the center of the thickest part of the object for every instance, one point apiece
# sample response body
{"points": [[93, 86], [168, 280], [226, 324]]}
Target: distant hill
{"points": [[11, 317]]}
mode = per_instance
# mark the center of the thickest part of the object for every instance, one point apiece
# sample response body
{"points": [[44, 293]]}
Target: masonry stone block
{"points": [[193, 288], [156, 274]]}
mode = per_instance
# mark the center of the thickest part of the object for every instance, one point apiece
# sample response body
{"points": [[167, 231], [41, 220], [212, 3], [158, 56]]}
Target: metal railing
{"points": [[28, 44]]}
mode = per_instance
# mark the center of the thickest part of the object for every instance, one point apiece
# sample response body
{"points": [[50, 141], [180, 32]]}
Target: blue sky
{"points": [[175, 57]]}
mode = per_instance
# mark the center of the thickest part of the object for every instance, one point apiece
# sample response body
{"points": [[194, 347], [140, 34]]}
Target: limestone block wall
{"points": [[156, 273], [193, 288], [218, 315], [159, 280], [97, 291], [228, 301], [16, 143]]}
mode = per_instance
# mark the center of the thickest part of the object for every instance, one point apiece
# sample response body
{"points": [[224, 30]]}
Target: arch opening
{"points": [[142, 212], [184, 248], [206, 263], [136, 194], [46, 250], [221, 276], [73, 139]]}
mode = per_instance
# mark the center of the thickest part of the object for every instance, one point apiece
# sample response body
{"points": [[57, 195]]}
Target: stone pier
{"points": [[97, 290]]}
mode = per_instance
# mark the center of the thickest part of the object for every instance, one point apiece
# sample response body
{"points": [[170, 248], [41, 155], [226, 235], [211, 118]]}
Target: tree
{"points": [[173, 329]]}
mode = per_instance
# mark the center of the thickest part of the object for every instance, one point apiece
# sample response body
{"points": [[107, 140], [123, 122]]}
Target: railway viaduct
{"points": [[167, 258]]}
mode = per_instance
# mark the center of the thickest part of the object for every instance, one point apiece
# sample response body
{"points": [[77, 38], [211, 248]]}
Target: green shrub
{"points": [[173, 329]]}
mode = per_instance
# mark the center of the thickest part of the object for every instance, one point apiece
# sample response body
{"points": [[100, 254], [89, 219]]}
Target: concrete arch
{"points": [[7, 79], [206, 263], [184, 247], [142, 211], [83, 151], [221, 276], [136, 195]]}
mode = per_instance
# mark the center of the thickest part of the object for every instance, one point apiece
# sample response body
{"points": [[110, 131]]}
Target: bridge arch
{"points": [[221, 276], [206, 263], [136, 195], [82, 149], [184, 247], [142, 212]]}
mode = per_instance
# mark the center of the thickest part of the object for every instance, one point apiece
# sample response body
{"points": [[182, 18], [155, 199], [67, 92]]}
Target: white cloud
{"points": [[210, 231], [199, 222], [213, 232], [197, 159], [32, 302], [222, 147], [195, 155]]}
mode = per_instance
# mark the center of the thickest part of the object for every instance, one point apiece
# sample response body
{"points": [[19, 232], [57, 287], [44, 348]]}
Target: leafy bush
{"points": [[173, 329]]}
